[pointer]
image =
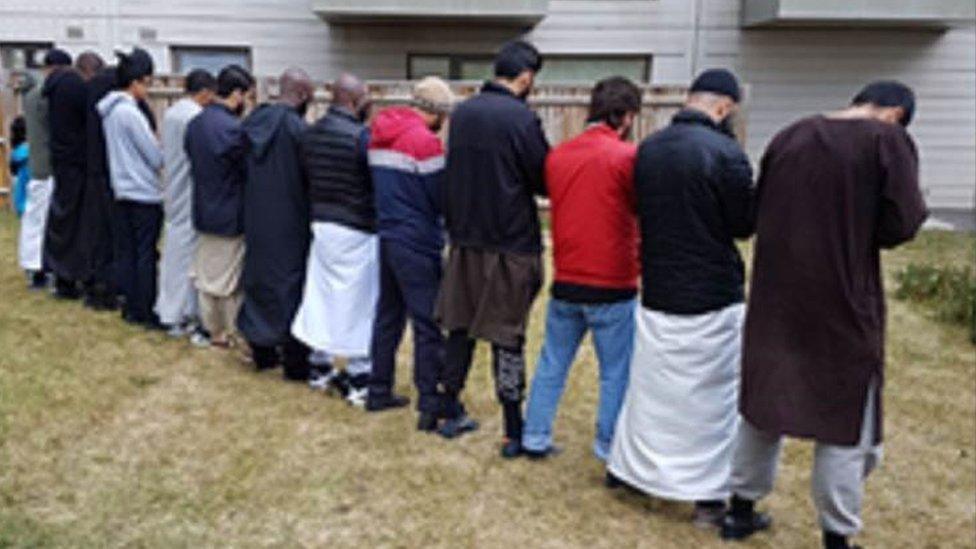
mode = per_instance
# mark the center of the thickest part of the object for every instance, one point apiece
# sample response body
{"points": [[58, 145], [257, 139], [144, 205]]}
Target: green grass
{"points": [[110, 436]]}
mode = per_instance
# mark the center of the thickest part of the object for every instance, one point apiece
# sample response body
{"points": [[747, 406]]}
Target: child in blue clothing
{"points": [[18, 163]]}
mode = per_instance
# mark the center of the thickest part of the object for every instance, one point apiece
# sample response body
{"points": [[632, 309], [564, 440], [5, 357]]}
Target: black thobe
{"points": [[831, 194], [65, 246], [276, 225], [97, 207]]}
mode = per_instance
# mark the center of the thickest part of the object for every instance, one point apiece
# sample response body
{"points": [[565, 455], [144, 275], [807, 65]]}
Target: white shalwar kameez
{"points": [[341, 289], [676, 432], [177, 299]]}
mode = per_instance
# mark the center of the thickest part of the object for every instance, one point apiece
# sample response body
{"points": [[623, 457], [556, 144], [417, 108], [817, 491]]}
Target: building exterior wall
{"points": [[790, 72]]}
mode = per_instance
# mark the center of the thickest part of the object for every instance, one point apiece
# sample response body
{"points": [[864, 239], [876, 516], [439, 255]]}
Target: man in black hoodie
{"points": [[276, 229], [495, 165], [65, 249]]}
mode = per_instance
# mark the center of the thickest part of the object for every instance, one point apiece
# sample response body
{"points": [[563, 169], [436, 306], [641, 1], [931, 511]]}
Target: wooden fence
{"points": [[562, 108]]}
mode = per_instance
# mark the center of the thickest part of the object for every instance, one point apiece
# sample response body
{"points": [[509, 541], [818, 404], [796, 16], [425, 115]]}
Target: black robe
{"points": [[96, 225], [276, 225], [65, 247], [832, 194]]}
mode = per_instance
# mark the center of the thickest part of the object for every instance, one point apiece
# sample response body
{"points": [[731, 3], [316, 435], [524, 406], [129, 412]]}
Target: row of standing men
{"points": [[317, 243]]}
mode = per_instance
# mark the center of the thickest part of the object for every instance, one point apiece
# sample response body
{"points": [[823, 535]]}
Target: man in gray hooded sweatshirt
{"points": [[134, 158]]}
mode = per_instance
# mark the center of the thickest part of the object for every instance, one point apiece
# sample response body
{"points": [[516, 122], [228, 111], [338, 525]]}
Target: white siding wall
{"points": [[790, 72]]}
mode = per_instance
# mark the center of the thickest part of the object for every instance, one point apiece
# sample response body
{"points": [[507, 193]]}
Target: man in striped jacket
{"points": [[406, 158]]}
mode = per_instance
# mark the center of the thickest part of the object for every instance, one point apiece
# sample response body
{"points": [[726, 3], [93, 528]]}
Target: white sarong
{"points": [[33, 223], [341, 289], [676, 432]]}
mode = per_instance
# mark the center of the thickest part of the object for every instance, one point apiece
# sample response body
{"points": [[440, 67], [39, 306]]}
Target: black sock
{"points": [[512, 415], [710, 504], [834, 541], [359, 381], [742, 508]]}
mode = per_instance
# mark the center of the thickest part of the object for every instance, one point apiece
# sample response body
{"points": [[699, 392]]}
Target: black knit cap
{"points": [[718, 81], [515, 57], [56, 58], [133, 66]]}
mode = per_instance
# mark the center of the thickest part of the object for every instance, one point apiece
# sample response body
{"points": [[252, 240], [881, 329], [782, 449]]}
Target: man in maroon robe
{"points": [[833, 191]]}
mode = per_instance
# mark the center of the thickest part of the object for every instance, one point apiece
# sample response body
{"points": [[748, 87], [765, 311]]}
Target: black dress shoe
{"points": [[453, 428], [511, 449], [613, 482], [382, 403], [427, 422], [741, 527], [542, 454]]}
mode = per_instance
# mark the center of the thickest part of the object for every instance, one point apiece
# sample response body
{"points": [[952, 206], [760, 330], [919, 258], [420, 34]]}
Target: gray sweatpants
{"points": [[839, 472]]}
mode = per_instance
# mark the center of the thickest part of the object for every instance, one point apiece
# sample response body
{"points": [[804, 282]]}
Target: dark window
{"points": [[23, 55], [210, 58]]}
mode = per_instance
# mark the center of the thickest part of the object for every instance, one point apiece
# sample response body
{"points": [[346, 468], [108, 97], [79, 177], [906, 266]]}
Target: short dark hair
{"points": [[232, 78], [18, 131], [517, 56], [133, 66], [56, 58], [612, 99], [888, 93], [199, 80]]}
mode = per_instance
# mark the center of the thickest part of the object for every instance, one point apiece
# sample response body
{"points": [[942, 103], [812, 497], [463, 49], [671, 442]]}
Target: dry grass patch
{"points": [[110, 436]]}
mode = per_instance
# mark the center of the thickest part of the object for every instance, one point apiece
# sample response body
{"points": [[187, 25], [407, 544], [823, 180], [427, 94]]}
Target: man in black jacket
{"points": [[694, 189], [495, 165], [342, 281], [215, 145]]}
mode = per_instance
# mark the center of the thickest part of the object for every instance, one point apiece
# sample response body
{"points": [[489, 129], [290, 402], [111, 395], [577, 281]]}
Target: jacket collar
{"points": [[494, 87], [344, 113], [223, 109], [694, 116], [600, 129]]}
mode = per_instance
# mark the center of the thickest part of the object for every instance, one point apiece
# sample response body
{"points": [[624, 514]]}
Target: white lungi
{"points": [[341, 289], [676, 432], [32, 224]]}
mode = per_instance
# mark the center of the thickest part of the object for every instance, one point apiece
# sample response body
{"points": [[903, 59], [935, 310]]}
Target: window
{"points": [[187, 58], [556, 68], [23, 56]]}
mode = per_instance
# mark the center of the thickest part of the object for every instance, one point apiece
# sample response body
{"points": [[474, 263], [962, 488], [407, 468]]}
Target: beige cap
{"points": [[433, 94]]}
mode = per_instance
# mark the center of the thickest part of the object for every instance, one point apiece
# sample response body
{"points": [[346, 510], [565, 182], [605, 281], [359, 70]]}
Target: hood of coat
{"points": [[262, 126], [112, 100], [390, 124]]}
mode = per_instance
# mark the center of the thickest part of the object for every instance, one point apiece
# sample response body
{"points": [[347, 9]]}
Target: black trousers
{"points": [[508, 367], [140, 225], [409, 282], [292, 354]]}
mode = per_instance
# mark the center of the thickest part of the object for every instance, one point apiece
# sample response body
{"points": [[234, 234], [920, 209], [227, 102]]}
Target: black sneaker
{"points": [[381, 403], [741, 527], [427, 422], [613, 482], [511, 448], [453, 428]]}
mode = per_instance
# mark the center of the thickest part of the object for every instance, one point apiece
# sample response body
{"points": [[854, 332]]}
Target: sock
{"points": [[512, 415], [359, 381], [710, 504], [742, 508], [834, 541]]}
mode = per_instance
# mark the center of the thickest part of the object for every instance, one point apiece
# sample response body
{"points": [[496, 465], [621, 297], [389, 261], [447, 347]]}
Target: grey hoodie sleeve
{"points": [[143, 138]]}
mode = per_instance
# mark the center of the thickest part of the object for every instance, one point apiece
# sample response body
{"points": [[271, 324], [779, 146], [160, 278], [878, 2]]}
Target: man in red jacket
{"points": [[594, 229]]}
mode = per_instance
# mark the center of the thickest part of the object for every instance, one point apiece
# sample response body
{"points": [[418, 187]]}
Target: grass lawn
{"points": [[110, 436]]}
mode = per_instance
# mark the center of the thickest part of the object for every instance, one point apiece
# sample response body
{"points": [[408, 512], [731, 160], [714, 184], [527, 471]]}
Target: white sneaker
{"points": [[321, 381], [357, 397], [199, 340]]}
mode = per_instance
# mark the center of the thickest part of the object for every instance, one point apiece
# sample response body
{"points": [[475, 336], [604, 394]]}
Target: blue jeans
{"points": [[613, 336]]}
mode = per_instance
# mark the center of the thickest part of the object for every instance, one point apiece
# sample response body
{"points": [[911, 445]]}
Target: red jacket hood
{"points": [[391, 124]]}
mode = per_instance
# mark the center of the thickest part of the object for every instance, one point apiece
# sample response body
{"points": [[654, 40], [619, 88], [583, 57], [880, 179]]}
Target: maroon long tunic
{"points": [[831, 194]]}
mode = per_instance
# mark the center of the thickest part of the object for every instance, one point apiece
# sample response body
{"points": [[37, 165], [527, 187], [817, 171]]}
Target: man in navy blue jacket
{"points": [[216, 147], [407, 162]]}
